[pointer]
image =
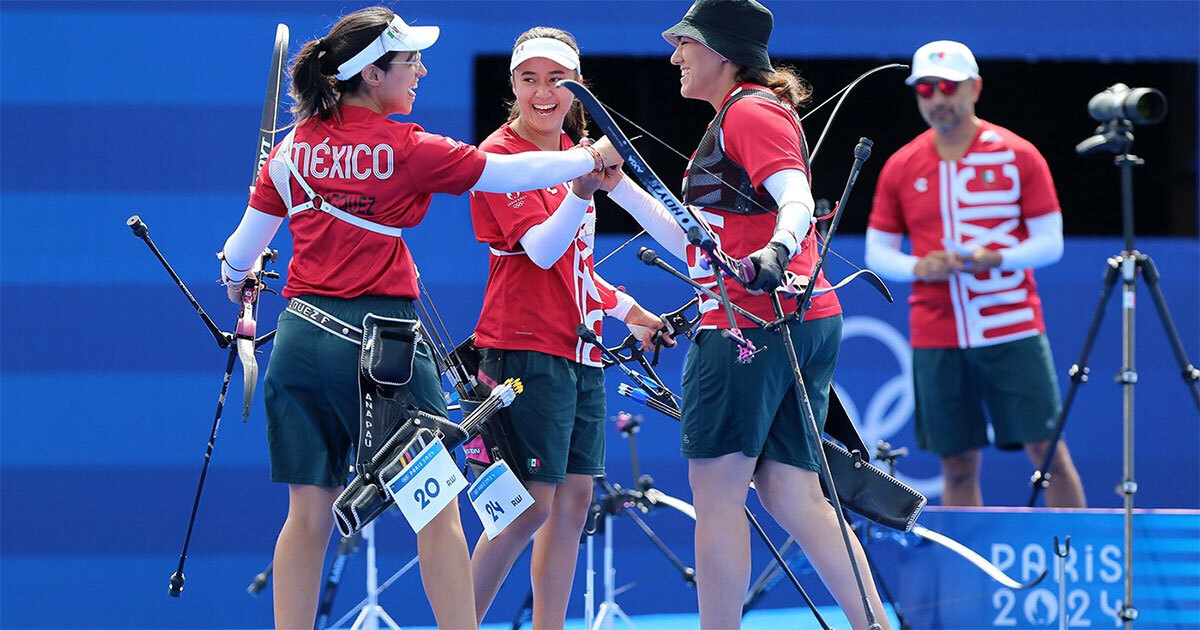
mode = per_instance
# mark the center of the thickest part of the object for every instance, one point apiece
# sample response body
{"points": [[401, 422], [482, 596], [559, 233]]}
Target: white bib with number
{"points": [[498, 498], [426, 485]]}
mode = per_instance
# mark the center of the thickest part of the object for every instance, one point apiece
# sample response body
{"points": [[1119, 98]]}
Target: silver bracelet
{"points": [[596, 156]]}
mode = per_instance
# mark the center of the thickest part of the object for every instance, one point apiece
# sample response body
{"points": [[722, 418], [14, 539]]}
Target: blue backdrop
{"points": [[109, 380]]}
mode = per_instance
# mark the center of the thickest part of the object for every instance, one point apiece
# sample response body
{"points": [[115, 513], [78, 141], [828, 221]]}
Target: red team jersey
{"points": [[527, 307], [980, 200], [378, 169], [764, 138]]}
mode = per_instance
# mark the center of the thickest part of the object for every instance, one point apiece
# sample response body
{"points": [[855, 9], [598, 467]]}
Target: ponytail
{"points": [[315, 90], [312, 91], [783, 81]]}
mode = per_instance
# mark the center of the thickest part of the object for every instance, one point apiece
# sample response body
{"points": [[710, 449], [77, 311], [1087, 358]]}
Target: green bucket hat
{"points": [[737, 30]]}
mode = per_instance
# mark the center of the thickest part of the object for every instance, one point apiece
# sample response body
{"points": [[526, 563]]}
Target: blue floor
{"points": [[774, 619]]}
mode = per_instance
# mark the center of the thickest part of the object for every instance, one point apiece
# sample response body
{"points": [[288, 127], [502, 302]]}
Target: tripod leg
{"points": [[525, 612], [1079, 375], [767, 580], [1189, 372], [175, 588], [362, 616], [621, 614], [786, 569], [388, 619], [333, 579], [688, 574]]}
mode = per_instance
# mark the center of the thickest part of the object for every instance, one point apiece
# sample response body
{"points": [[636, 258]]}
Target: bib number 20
{"points": [[430, 491]]}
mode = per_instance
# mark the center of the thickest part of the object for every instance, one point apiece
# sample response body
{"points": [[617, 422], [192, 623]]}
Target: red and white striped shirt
{"points": [[980, 200]]}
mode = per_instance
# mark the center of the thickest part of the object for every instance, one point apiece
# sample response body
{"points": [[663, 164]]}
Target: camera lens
{"points": [[1142, 106], [1148, 105]]}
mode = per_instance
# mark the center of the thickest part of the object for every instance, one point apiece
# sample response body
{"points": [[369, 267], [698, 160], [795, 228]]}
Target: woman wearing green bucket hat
{"points": [[750, 179]]}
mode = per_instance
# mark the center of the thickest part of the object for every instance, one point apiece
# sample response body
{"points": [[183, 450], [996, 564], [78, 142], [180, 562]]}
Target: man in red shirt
{"points": [[979, 205]]}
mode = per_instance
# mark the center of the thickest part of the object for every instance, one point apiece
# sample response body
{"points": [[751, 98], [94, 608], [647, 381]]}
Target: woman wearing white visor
{"points": [[541, 287], [349, 179]]}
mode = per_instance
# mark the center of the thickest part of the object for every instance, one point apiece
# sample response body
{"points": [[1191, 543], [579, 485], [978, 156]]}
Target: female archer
{"points": [[541, 287], [742, 423], [351, 261]]}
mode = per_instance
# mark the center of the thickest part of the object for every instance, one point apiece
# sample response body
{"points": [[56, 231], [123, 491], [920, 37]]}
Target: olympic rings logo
{"points": [[891, 407]]}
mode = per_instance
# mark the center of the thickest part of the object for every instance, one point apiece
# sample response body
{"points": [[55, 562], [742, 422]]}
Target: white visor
{"points": [[547, 48], [397, 37]]}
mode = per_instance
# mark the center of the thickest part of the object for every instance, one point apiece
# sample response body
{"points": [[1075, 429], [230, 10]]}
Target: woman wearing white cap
{"points": [[349, 178], [541, 287]]}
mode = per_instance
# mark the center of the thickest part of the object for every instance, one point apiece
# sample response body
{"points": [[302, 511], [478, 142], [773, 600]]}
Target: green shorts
{"points": [[1015, 380], [729, 407], [311, 390], [556, 426]]}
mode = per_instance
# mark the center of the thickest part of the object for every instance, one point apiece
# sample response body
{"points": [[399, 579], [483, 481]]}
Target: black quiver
{"points": [[391, 427], [861, 487]]}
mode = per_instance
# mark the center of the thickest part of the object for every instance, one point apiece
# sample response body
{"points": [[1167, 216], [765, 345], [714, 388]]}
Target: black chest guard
{"points": [[714, 180]]}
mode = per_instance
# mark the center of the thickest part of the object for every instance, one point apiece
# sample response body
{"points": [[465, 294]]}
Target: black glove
{"points": [[769, 264]]}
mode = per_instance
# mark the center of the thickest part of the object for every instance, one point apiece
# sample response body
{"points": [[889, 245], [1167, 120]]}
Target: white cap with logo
{"points": [[943, 59], [547, 48], [398, 36]]}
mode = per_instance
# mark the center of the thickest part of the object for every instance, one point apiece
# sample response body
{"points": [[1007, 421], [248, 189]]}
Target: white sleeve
{"points": [[247, 243], [531, 170], [651, 215], [545, 242], [625, 302], [792, 193], [885, 258], [1043, 247]]}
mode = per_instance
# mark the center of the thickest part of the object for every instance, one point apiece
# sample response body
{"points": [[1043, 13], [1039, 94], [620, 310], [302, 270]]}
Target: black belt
{"points": [[323, 320]]}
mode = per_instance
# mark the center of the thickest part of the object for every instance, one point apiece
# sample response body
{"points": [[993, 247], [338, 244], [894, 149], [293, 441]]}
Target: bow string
{"points": [[842, 93]]}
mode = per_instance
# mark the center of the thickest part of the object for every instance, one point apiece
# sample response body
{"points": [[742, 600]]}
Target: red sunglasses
{"points": [[925, 88]]}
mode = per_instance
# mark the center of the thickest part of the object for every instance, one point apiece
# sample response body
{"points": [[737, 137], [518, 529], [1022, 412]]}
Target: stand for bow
{"points": [[224, 340], [243, 342]]}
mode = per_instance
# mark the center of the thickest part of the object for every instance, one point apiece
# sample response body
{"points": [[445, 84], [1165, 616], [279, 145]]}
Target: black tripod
{"points": [[1116, 136], [609, 500]]}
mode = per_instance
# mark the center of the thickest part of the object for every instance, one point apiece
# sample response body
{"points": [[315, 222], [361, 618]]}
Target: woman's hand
{"points": [[608, 152], [612, 177], [234, 290], [644, 325], [587, 184]]}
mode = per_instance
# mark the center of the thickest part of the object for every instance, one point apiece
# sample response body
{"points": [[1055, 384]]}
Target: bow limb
{"points": [[698, 232], [640, 170], [871, 277], [795, 285], [844, 92], [974, 558]]}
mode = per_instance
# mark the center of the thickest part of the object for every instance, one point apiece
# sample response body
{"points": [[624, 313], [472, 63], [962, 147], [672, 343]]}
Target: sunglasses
{"points": [[414, 62], [925, 88]]}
